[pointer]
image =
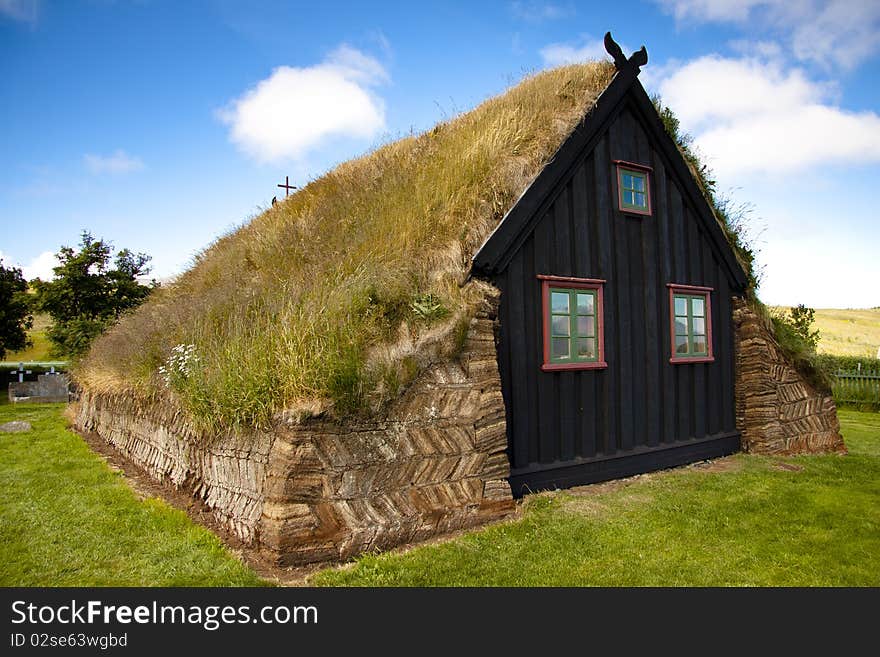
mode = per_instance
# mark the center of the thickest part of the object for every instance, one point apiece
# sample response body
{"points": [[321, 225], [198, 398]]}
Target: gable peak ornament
{"points": [[638, 59]]}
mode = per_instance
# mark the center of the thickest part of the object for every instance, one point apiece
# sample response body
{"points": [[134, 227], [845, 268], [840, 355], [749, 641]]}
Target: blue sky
{"points": [[161, 125]]}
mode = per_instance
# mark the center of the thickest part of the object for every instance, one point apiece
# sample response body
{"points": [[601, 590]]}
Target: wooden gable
{"points": [[624, 95]]}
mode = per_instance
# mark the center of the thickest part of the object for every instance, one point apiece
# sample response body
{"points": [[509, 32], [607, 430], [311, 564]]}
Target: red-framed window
{"points": [[633, 187], [690, 324], [574, 323]]}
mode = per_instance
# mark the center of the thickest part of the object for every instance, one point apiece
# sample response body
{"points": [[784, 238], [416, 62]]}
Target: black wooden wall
{"points": [[642, 412]]}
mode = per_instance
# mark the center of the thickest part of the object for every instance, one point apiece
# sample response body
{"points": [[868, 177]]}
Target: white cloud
{"points": [[378, 36], [762, 49], [749, 116], [294, 109], [538, 12], [710, 88], [704, 11], [794, 258], [118, 162], [843, 32], [826, 32], [20, 10], [557, 54], [356, 65], [40, 267]]}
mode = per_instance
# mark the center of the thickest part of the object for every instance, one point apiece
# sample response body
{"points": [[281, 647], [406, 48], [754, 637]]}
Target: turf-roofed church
{"points": [[535, 294]]}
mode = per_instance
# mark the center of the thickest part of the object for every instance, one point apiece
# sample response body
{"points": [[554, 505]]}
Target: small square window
{"points": [[560, 349], [586, 326], [561, 325], [634, 187], [585, 303], [572, 323], [559, 302], [690, 323]]}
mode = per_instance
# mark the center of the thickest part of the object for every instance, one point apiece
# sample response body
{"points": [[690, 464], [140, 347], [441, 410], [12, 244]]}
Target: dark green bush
{"points": [[832, 363]]}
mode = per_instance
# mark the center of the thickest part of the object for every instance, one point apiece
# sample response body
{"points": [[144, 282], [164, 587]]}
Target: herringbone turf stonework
{"points": [[778, 411], [226, 472], [317, 490]]}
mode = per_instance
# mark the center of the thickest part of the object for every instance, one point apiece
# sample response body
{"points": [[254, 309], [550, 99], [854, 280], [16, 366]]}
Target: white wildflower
{"points": [[180, 364]]}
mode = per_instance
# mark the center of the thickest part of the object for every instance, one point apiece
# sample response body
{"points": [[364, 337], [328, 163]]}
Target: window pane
{"points": [[681, 344], [700, 346], [628, 198], [697, 307], [639, 183], [585, 304], [586, 326], [681, 306], [627, 181], [559, 348], [586, 348], [699, 325], [681, 325], [561, 324], [640, 200], [559, 302]]}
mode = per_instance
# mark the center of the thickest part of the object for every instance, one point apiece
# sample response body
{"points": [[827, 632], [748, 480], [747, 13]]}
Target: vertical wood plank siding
{"points": [[572, 427]]}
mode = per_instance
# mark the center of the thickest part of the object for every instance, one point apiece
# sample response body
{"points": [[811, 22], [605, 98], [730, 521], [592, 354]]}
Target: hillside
{"points": [[849, 332], [39, 350], [846, 332], [337, 296]]}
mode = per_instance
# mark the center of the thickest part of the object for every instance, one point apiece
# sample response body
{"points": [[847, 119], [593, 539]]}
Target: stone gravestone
{"points": [[47, 388], [16, 426]]}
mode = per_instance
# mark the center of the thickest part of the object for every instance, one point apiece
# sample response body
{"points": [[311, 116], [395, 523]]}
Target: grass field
{"points": [[66, 519], [847, 332], [814, 522], [39, 351]]}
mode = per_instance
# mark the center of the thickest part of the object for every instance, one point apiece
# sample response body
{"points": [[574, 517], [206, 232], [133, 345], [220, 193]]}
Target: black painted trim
{"points": [[536, 477]]}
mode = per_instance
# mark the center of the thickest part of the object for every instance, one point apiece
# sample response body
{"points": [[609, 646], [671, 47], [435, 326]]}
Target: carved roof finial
{"points": [[636, 60]]}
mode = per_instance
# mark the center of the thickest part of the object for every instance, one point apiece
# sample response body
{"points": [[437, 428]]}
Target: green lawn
{"points": [[66, 519], [754, 524]]}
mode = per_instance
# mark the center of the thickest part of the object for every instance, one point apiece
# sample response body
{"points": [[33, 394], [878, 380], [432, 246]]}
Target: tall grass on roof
{"points": [[315, 304]]}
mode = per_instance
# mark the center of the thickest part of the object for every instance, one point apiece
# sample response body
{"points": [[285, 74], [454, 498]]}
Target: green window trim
{"points": [[690, 324], [573, 330], [634, 192]]}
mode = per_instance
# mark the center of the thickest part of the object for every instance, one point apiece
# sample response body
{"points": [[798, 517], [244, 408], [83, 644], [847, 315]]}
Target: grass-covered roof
{"points": [[337, 296]]}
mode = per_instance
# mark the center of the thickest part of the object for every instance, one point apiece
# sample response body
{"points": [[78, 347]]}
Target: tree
{"points": [[792, 330], [801, 322], [15, 311], [86, 296]]}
